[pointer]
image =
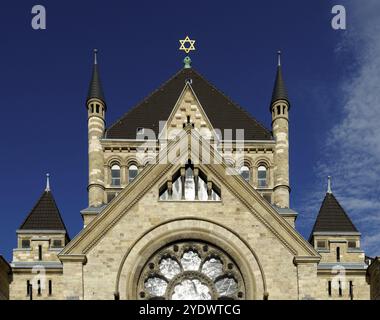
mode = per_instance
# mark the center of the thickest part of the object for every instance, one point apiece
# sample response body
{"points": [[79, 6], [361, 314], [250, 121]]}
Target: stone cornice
{"points": [[306, 259], [73, 258], [24, 231]]}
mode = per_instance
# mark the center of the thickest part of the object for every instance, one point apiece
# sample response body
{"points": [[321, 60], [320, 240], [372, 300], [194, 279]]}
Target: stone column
{"points": [[281, 153], [96, 126]]}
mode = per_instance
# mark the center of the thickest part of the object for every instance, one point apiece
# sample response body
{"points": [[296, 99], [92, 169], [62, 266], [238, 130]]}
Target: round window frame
{"points": [[175, 251]]}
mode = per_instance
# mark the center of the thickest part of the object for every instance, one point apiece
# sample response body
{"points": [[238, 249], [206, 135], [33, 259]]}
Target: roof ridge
{"points": [[140, 103], [234, 104]]}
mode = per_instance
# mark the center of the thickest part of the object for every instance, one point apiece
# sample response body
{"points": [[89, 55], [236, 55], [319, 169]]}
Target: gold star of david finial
{"points": [[189, 48]]}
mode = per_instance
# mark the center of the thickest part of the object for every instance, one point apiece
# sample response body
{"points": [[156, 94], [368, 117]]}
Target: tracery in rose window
{"points": [[191, 270]]}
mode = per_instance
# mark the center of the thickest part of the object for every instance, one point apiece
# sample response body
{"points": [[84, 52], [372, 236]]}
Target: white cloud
{"points": [[352, 151]]}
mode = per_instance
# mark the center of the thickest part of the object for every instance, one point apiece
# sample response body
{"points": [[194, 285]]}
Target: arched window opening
{"points": [[132, 172], [278, 110], [97, 108], [115, 175], [190, 270], [245, 172], [189, 184], [262, 176]]}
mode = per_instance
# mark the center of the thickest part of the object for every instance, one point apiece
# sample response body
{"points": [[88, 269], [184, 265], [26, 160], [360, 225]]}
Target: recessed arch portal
{"points": [[202, 231]]}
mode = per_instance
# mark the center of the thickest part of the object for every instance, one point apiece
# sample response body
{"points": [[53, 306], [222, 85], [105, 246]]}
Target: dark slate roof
{"points": [[44, 216], [332, 217], [279, 89], [95, 89], [221, 111]]}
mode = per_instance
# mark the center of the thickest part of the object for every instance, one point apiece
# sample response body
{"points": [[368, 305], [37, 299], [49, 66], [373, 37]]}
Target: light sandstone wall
{"points": [[361, 288], [73, 280], [18, 285], [104, 259], [31, 254], [307, 280], [347, 255]]}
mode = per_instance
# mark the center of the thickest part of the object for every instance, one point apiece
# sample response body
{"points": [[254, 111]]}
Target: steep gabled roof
{"points": [[44, 215], [332, 217], [222, 112]]}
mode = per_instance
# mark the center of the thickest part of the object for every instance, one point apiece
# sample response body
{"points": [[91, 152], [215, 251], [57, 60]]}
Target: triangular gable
{"points": [[117, 208], [188, 105]]}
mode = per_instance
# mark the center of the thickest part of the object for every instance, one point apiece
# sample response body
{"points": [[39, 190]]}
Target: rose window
{"points": [[191, 271]]}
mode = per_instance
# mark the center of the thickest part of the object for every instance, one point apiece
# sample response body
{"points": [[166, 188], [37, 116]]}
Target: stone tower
{"points": [[96, 108], [280, 126], [342, 269], [35, 265]]}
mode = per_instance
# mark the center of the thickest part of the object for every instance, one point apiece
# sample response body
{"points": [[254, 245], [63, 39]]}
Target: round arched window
{"points": [[191, 270], [245, 173], [262, 176], [115, 175], [132, 172]]}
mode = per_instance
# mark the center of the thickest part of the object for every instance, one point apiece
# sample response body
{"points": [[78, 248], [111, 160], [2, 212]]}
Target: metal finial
{"points": [[47, 189], [329, 184], [279, 57], [95, 56], [187, 62]]}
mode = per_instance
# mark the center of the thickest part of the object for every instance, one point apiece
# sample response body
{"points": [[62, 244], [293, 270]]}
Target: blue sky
{"points": [[332, 78]]}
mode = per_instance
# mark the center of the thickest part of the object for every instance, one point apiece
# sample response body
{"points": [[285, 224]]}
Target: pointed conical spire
{"points": [[279, 90], [332, 217], [95, 90], [45, 214], [329, 184], [47, 189]]}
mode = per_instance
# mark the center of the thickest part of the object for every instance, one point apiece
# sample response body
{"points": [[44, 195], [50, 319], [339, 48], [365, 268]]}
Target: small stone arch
{"points": [[114, 160], [262, 161], [244, 161]]}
